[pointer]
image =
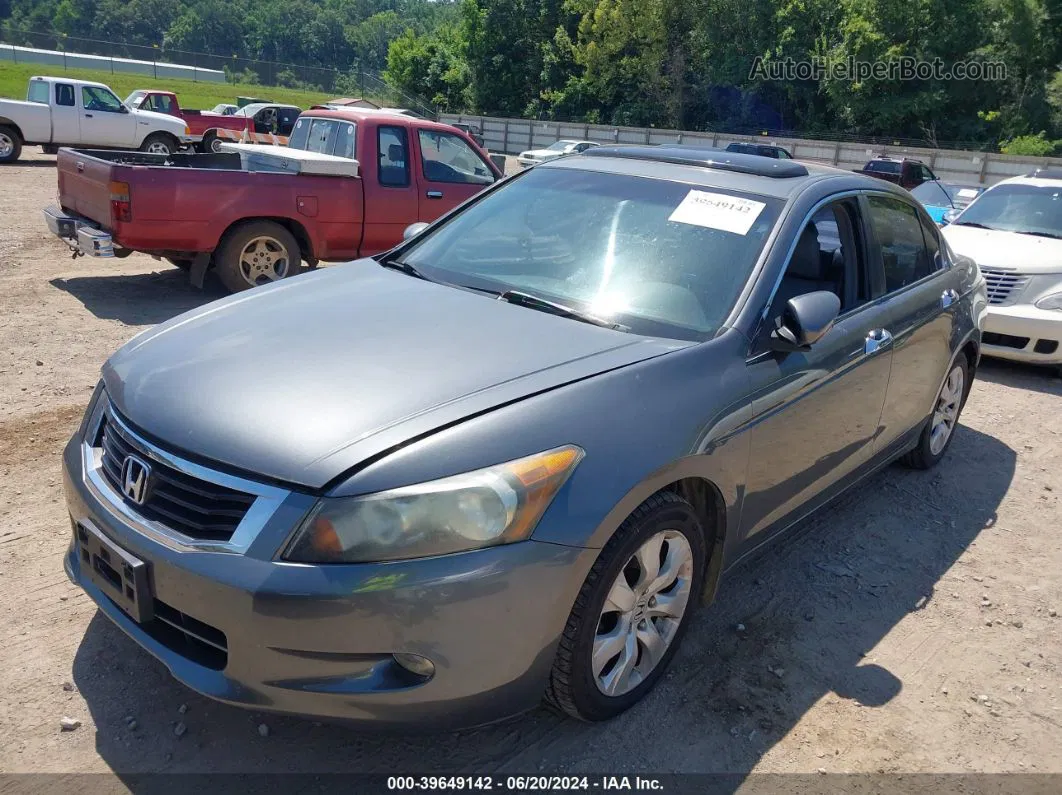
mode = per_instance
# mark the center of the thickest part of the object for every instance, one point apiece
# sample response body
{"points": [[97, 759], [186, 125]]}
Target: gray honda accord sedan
{"points": [[506, 460]]}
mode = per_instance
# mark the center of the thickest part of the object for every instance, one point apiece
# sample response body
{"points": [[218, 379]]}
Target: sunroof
{"points": [[705, 158]]}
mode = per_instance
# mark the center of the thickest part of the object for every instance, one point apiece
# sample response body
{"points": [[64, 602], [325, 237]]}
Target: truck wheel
{"points": [[257, 253], [159, 144], [211, 143], [10, 144]]}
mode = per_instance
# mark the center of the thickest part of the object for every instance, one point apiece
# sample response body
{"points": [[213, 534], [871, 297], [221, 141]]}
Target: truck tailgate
{"points": [[84, 186]]}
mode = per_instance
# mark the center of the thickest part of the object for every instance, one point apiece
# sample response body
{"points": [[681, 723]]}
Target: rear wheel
{"points": [[210, 144], [257, 253], [631, 612], [159, 144], [940, 427], [10, 144]]}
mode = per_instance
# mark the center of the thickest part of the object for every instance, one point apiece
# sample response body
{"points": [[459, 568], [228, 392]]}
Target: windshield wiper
{"points": [[404, 267], [1052, 235], [974, 224], [534, 302]]}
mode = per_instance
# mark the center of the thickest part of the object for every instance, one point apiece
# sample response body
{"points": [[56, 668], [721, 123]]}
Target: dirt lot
{"points": [[915, 627]]}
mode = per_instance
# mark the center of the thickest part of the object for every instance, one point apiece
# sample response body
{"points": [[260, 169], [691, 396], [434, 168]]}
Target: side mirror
{"points": [[123, 109], [414, 229], [805, 320]]}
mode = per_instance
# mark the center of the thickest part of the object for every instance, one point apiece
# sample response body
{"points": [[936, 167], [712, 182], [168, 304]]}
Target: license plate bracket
{"points": [[121, 576]]}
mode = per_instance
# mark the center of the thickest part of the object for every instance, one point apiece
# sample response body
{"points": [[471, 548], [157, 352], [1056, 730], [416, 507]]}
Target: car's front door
{"points": [[450, 172], [816, 412], [104, 120], [921, 297]]}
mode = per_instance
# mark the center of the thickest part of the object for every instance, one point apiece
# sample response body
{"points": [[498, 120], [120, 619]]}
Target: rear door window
{"points": [[898, 231], [64, 95], [393, 157], [37, 92]]}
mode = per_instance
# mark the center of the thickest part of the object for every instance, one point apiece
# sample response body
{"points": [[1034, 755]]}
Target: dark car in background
{"points": [[611, 377], [762, 150], [945, 200], [905, 172]]}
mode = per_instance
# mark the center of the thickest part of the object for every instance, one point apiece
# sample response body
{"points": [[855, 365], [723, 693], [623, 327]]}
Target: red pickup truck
{"points": [[348, 185], [203, 124]]}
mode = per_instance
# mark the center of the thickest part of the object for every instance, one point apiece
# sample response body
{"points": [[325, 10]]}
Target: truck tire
{"points": [[257, 253], [210, 144], [10, 144], [159, 144]]}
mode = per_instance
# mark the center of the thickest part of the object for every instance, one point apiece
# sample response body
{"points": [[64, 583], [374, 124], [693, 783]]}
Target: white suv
{"points": [[1014, 233]]}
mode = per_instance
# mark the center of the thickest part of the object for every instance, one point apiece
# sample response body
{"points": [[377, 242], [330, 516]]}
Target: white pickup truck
{"points": [[62, 112]]}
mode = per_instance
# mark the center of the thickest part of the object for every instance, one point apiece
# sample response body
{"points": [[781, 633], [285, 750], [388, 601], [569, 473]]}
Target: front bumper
{"points": [[1023, 333], [318, 640]]}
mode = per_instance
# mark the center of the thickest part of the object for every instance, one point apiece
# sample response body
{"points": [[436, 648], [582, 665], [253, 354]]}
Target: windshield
{"points": [[659, 257], [944, 194], [133, 100], [1029, 209], [560, 146]]}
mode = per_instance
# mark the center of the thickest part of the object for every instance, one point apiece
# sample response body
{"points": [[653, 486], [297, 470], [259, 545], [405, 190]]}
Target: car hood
{"points": [[541, 153], [163, 120], [994, 249], [305, 379]]}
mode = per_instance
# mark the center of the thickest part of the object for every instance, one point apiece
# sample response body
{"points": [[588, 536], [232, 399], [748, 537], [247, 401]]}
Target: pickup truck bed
{"points": [[254, 214], [179, 219]]}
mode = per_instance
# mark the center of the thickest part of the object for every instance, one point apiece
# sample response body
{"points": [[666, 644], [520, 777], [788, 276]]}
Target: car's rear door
{"points": [[390, 188], [921, 291], [65, 117], [817, 412], [450, 171]]}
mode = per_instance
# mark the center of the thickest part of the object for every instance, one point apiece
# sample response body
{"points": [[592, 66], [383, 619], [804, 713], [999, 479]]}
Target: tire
{"points": [[210, 144], [159, 144], [10, 144], [239, 272], [929, 452], [574, 687]]}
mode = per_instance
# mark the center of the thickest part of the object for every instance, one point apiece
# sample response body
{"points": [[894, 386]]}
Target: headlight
{"points": [[497, 505], [1053, 301]]}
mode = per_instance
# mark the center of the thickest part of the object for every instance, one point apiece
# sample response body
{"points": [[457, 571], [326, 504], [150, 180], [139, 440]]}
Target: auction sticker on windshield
{"points": [[717, 211]]}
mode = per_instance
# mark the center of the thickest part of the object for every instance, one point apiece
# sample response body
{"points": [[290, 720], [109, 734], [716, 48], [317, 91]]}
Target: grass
{"points": [[191, 94]]}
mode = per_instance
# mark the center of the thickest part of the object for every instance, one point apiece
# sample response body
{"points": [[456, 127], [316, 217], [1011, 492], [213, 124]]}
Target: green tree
{"points": [[430, 66]]}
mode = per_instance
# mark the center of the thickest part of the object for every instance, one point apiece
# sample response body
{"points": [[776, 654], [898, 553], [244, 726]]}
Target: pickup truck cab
{"points": [[62, 112], [203, 124], [255, 213], [906, 172]]}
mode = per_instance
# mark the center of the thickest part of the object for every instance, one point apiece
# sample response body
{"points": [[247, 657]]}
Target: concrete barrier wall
{"points": [[512, 136], [71, 60]]}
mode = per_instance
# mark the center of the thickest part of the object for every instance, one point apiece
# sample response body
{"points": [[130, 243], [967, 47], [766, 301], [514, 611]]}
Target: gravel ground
{"points": [[912, 627]]}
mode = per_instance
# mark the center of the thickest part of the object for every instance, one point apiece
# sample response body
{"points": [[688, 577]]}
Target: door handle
{"points": [[948, 297], [88, 115], [877, 340], [434, 194]]}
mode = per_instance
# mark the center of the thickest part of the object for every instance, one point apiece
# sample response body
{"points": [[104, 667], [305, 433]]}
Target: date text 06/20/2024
{"points": [[521, 783]]}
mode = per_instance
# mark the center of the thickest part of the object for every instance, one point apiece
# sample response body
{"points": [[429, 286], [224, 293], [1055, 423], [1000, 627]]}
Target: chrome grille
{"points": [[193, 507], [1003, 285]]}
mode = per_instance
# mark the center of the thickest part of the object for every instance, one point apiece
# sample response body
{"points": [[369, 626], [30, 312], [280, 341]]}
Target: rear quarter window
{"points": [[37, 92]]}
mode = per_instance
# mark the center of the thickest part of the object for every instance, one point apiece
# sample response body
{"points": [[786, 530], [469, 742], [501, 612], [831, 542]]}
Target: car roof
{"points": [[53, 79], [708, 167], [366, 114], [1040, 178], [254, 107]]}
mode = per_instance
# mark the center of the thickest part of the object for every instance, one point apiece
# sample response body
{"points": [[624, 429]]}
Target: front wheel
{"points": [[631, 612], [257, 253], [10, 144], [940, 427], [159, 144]]}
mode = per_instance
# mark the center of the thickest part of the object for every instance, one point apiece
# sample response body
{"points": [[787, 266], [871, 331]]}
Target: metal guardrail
{"points": [[512, 136]]}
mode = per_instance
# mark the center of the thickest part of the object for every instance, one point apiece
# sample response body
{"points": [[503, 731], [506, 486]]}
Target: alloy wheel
{"points": [[263, 260], [642, 613], [7, 145], [946, 414]]}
